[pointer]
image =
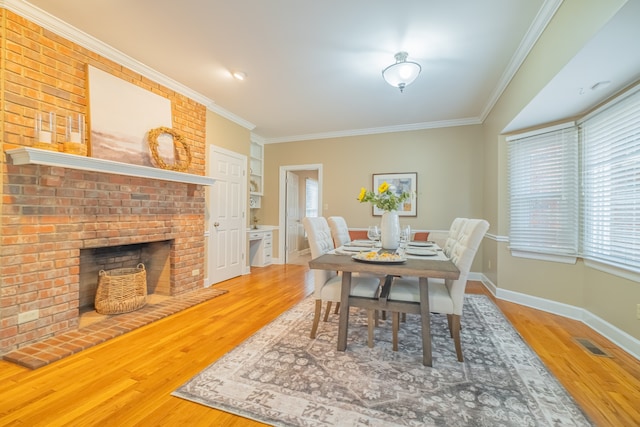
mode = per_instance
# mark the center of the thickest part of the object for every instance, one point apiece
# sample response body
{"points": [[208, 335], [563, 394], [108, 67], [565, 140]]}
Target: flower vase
{"points": [[390, 230]]}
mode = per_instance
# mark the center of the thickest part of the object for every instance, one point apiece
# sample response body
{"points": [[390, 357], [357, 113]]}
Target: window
{"points": [[611, 184], [543, 185], [575, 189], [311, 197]]}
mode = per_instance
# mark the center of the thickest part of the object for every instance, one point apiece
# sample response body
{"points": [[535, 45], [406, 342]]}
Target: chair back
{"points": [[339, 230], [320, 242], [454, 233], [462, 255]]}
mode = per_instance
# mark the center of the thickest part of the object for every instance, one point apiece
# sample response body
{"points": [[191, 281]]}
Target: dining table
{"points": [[422, 267]]}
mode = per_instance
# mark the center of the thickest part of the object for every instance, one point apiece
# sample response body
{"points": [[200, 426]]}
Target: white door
{"points": [[282, 206], [293, 214], [227, 207]]}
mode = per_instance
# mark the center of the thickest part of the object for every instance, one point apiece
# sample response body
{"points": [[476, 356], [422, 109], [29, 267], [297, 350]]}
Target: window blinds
{"points": [[543, 189], [311, 198], [611, 184]]}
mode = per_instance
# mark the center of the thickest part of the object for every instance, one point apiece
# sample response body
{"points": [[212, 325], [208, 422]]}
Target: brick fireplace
{"points": [[53, 214], [49, 214]]}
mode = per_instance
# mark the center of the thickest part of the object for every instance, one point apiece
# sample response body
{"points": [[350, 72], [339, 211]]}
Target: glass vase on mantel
{"points": [[390, 230]]}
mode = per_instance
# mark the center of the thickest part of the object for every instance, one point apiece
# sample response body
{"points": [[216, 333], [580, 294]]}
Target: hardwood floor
{"points": [[128, 380]]}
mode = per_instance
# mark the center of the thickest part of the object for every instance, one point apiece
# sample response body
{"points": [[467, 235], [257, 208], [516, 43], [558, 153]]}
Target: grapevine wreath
{"points": [[179, 146]]}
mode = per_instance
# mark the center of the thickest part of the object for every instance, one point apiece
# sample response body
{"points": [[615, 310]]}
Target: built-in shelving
{"points": [[256, 177], [35, 156]]}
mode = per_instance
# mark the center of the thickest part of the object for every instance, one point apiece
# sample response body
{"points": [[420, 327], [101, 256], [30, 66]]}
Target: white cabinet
{"points": [[260, 247]]}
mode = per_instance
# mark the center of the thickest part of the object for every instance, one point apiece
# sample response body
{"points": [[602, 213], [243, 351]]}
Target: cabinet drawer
{"points": [[255, 236], [266, 243]]}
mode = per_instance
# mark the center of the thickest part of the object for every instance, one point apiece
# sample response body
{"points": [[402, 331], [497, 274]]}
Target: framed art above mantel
{"points": [[398, 183]]}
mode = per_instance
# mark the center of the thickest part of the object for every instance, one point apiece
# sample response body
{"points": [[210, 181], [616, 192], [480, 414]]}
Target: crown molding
{"points": [[63, 29], [372, 131], [542, 19], [54, 24]]}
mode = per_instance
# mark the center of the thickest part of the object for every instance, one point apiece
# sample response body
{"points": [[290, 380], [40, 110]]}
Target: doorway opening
{"points": [[300, 195]]}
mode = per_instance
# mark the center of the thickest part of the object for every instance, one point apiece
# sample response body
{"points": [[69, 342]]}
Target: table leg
{"points": [[344, 311], [426, 321]]}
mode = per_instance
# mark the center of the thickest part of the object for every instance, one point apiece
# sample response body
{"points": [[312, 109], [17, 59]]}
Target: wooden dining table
{"points": [[423, 268]]}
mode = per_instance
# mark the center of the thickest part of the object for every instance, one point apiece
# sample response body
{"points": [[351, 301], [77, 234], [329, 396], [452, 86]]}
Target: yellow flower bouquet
{"points": [[385, 199]]}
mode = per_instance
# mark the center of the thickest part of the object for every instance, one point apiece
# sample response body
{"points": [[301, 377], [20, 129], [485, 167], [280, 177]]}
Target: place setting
{"points": [[359, 246], [422, 244], [421, 251]]}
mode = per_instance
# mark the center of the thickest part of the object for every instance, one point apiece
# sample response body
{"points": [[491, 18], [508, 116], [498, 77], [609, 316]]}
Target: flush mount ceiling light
{"points": [[402, 73], [239, 75]]}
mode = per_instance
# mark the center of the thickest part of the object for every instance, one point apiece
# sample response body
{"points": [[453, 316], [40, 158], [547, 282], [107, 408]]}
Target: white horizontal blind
{"points": [[543, 190], [311, 198], [611, 185]]}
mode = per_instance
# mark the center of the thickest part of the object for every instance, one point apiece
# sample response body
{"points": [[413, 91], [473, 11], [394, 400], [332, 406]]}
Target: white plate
{"points": [[368, 243], [421, 252], [379, 259], [355, 248], [421, 244]]}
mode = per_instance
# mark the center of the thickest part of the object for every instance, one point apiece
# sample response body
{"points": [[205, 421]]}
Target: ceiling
{"points": [[314, 68]]}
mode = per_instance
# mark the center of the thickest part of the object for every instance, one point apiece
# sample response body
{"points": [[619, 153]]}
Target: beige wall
{"points": [[227, 134], [609, 297], [447, 161]]}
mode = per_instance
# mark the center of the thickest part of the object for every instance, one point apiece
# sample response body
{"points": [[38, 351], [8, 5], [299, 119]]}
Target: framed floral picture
{"points": [[398, 184]]}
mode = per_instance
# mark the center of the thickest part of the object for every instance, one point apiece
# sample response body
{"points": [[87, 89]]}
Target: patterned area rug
{"points": [[280, 376]]}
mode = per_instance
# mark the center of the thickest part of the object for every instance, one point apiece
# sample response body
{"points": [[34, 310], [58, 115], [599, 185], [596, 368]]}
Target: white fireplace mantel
{"points": [[35, 156]]}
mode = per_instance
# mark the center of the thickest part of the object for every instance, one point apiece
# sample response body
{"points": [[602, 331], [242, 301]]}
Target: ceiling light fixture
{"points": [[402, 73], [239, 75]]}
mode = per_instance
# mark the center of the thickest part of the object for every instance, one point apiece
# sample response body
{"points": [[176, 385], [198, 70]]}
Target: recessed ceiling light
{"points": [[239, 75]]}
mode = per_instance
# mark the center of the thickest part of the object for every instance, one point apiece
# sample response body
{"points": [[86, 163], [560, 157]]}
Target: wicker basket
{"points": [[75, 148], [121, 290]]}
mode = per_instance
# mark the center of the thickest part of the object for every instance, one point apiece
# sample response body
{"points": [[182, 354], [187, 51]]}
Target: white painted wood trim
{"points": [[35, 156], [616, 335]]}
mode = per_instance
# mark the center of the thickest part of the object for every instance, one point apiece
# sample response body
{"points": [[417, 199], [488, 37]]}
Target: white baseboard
{"points": [[619, 337]]}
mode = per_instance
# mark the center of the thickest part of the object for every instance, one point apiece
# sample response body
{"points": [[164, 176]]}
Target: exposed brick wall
{"points": [[48, 214]]}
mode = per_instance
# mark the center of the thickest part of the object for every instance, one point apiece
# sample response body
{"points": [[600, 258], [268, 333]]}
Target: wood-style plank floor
{"points": [[128, 381]]}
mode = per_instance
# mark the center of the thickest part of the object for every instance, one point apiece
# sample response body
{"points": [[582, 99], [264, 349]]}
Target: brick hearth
{"points": [[53, 349]]}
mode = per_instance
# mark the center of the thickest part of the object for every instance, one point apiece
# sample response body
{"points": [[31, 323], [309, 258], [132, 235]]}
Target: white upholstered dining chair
{"points": [[457, 225], [339, 230], [328, 284], [446, 297], [340, 235]]}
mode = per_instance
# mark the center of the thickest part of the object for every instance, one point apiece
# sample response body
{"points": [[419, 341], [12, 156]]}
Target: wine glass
{"points": [[405, 238], [373, 233], [408, 232]]}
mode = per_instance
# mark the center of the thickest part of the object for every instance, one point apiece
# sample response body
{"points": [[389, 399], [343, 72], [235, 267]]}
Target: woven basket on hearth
{"points": [[121, 290]]}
